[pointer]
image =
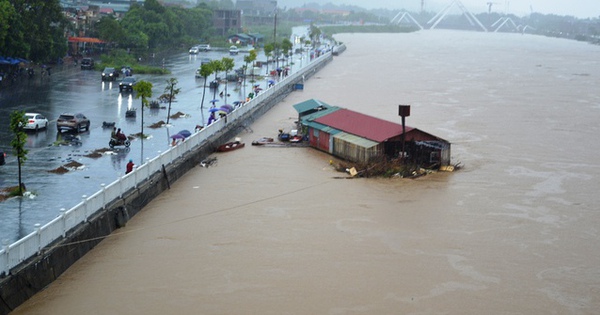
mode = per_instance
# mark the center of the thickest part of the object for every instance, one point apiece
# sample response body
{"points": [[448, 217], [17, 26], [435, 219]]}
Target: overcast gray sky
{"points": [[578, 8]]}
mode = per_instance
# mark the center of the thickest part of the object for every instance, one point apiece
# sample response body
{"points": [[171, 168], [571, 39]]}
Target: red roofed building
{"points": [[362, 138]]}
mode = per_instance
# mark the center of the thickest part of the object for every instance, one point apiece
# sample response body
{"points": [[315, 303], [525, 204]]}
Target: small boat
{"points": [[262, 141], [230, 146], [296, 139]]}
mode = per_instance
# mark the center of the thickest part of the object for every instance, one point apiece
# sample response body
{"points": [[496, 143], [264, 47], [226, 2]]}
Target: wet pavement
{"points": [[70, 89]]}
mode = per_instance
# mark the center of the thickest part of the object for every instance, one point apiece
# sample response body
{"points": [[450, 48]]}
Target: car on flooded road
{"points": [[127, 84], [35, 121], [110, 74], [72, 122]]}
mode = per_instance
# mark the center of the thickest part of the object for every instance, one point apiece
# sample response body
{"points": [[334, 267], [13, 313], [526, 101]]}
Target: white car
{"points": [[204, 47], [194, 50], [233, 50], [35, 121]]}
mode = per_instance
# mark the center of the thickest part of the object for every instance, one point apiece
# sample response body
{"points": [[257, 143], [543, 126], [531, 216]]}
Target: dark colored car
{"points": [[72, 122], [87, 64], [110, 74], [127, 84]]}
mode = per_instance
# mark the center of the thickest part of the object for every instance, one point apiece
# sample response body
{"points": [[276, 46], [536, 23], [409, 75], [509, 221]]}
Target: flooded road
{"points": [[70, 89]]}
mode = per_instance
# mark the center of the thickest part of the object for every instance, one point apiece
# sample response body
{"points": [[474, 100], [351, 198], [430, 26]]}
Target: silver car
{"points": [[72, 122]]}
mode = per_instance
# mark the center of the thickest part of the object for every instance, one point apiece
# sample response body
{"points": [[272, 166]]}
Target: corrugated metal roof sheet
{"points": [[362, 125], [321, 113], [321, 127], [309, 105], [362, 142]]}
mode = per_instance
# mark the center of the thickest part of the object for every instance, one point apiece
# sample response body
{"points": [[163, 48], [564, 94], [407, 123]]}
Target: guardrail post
{"points": [[38, 233], [63, 219], [85, 211], [103, 186], [4, 258]]}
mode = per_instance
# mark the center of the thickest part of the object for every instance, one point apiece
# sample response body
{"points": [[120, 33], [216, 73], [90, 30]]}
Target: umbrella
{"points": [[185, 133], [226, 110], [271, 81], [227, 106], [236, 103], [177, 136], [214, 101], [222, 112], [212, 110]]}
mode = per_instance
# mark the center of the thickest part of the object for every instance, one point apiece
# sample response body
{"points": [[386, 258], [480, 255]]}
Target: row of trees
{"points": [[153, 26], [32, 29]]}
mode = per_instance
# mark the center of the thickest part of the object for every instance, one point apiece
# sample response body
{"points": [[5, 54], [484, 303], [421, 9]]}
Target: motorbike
{"points": [[118, 142]]}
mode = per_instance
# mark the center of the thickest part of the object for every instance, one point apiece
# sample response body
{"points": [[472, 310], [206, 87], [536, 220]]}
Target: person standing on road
{"points": [[129, 167]]}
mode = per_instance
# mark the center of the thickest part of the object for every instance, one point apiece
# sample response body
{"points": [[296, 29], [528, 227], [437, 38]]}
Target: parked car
{"points": [[204, 47], [194, 50], [233, 50], [87, 64], [35, 121], [204, 61], [110, 74], [72, 122], [127, 84]]}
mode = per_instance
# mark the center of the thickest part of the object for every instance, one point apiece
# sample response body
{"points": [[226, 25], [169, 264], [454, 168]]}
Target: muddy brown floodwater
{"points": [[270, 230]]}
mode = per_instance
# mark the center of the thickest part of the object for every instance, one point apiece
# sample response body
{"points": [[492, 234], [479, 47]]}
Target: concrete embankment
{"points": [[37, 272]]}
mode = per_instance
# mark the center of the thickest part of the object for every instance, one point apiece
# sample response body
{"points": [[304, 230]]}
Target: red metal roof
{"points": [[362, 125]]}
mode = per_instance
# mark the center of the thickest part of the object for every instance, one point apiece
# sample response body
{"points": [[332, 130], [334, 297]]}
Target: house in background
{"points": [[225, 21], [362, 138]]}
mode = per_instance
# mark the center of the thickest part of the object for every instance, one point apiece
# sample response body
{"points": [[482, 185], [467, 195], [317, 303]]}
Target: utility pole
{"points": [[275, 40]]}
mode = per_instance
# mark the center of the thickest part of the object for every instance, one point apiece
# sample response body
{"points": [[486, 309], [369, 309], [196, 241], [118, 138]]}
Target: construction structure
{"points": [[442, 14], [405, 16]]}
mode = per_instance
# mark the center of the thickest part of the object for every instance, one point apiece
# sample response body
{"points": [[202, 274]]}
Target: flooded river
{"points": [[268, 231]]}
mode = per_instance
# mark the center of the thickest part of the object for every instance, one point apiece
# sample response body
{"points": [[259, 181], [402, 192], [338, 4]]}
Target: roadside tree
{"points": [[228, 64], [143, 90], [170, 92], [17, 122], [247, 60]]}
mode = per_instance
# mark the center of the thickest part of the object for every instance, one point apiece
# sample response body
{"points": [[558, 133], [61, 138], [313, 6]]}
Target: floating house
{"points": [[361, 138]]}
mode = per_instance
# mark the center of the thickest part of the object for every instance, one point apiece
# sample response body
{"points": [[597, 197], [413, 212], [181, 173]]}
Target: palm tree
{"points": [[228, 65]]}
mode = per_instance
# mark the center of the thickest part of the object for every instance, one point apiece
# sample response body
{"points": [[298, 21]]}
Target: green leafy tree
{"points": [[217, 66], [143, 90], [36, 30], [171, 91], [7, 14], [17, 122], [268, 49], [286, 47], [249, 58], [205, 70], [109, 29], [228, 64]]}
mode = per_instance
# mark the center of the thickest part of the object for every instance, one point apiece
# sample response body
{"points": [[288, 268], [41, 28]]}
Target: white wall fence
{"points": [[13, 254]]}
